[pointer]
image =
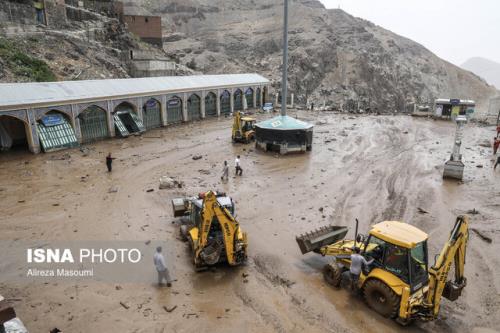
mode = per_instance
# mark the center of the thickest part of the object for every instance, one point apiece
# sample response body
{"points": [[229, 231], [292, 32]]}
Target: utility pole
{"points": [[285, 61]]}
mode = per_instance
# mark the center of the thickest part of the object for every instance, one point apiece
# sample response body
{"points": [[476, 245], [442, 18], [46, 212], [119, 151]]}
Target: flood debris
{"points": [[422, 211], [473, 211], [482, 236], [197, 157], [170, 309], [125, 306]]}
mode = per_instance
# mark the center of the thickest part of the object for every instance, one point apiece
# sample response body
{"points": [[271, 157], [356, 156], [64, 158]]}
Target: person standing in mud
{"points": [[357, 262], [237, 164], [161, 268], [109, 162], [497, 163], [225, 172], [496, 144]]}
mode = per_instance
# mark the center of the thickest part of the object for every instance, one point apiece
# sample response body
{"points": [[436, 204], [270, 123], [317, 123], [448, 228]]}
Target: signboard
{"points": [[225, 94], [174, 102], [52, 120], [249, 91], [454, 101], [151, 103]]}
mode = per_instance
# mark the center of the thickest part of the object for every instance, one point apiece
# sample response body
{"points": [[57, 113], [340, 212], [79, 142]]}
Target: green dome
{"points": [[283, 123]]}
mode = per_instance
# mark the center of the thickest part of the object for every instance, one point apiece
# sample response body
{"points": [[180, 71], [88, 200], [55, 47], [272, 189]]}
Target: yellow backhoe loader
{"points": [[243, 128], [211, 229], [398, 283]]}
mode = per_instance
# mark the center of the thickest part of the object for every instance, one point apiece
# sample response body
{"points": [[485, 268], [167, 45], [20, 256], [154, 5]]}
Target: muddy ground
{"points": [[367, 167]]}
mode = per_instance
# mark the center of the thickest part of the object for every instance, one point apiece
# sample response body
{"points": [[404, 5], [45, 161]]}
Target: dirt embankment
{"points": [[367, 167]]}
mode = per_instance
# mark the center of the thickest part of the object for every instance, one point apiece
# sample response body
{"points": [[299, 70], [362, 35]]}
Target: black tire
{"points": [[184, 231], [381, 298], [332, 273]]}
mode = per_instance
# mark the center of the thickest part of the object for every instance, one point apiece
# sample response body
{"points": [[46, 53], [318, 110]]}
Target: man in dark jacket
{"points": [[109, 162]]}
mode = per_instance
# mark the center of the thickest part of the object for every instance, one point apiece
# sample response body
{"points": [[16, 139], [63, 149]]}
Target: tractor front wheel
{"points": [[332, 273], [381, 298]]}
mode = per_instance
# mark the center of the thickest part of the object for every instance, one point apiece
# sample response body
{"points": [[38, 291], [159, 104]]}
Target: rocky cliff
{"points": [[334, 57]]}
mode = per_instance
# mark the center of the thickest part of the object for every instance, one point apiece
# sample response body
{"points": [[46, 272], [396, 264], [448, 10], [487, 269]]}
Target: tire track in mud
{"points": [[300, 316]]}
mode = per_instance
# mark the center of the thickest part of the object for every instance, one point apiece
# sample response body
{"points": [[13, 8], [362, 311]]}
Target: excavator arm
{"points": [[230, 227], [453, 252]]}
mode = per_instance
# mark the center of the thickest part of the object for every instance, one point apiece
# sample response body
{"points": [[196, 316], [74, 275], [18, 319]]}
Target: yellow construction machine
{"points": [[243, 128], [398, 283], [211, 229]]}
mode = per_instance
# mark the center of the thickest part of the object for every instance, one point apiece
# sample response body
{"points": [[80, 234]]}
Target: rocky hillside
{"points": [[485, 68], [334, 57]]}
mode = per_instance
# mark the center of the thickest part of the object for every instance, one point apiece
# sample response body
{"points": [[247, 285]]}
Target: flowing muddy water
{"points": [[372, 168]]}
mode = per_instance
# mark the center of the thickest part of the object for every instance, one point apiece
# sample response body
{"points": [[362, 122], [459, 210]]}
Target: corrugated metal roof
{"points": [[21, 95]]}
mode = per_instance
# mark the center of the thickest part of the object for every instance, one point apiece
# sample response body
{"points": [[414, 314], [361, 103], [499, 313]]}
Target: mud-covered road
{"points": [[372, 168]]}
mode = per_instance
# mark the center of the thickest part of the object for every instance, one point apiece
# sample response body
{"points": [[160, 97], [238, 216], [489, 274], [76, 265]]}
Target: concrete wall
{"points": [[148, 28]]}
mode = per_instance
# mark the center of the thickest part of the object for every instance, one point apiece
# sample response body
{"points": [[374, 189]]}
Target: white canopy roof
{"points": [[22, 95]]}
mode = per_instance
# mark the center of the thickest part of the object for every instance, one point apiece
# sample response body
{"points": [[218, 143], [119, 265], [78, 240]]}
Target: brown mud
{"points": [[367, 167]]}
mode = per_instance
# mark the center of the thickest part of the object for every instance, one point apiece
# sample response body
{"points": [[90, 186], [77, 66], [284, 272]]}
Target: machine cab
{"points": [[197, 207], [400, 249], [247, 124]]}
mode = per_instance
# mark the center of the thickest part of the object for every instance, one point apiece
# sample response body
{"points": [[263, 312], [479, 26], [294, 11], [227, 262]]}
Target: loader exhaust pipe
{"points": [[356, 233]]}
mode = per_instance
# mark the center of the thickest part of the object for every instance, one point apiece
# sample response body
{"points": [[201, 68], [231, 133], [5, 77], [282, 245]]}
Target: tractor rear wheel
{"points": [[332, 273], [381, 298]]}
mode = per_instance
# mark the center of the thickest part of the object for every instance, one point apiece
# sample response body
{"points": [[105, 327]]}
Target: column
{"points": [[291, 100], [163, 102], [254, 97], [184, 107], [217, 102], [76, 123], [262, 97], [202, 104], [139, 110], [33, 140], [276, 99], [111, 120], [231, 99]]}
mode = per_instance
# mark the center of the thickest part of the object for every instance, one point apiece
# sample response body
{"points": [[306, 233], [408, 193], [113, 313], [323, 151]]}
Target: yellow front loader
{"points": [[399, 283], [212, 231], [243, 128]]}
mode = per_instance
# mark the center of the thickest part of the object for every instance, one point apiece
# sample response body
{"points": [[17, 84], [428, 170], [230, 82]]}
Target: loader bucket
{"points": [[314, 240]]}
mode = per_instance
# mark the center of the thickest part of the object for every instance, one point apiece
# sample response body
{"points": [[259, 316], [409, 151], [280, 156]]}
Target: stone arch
{"points": [[14, 132], [258, 102], [249, 92], [194, 107], [93, 122], [211, 104], [152, 113], [225, 102], [65, 110], [238, 100], [125, 106], [55, 131], [174, 109], [79, 108]]}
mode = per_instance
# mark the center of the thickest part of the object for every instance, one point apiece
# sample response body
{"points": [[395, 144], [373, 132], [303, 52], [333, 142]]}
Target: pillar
{"points": [[111, 120], [76, 123], [217, 101], [276, 98], [33, 140], [262, 101], [231, 100], [163, 101], [254, 97], [184, 107], [291, 100], [140, 105], [202, 104]]}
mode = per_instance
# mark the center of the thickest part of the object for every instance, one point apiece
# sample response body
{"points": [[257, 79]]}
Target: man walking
{"points": [[496, 144], [357, 262], [497, 163], [109, 162], [237, 164], [225, 172], [161, 268]]}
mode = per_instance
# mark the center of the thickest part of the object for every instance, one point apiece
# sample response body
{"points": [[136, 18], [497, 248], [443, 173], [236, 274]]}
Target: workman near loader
{"points": [[161, 268], [357, 262], [497, 163], [496, 144], [225, 171], [109, 162], [237, 164]]}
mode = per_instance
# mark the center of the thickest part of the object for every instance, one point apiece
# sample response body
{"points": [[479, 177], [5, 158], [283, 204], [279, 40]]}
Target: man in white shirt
{"points": [[357, 262], [237, 164], [161, 268]]}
